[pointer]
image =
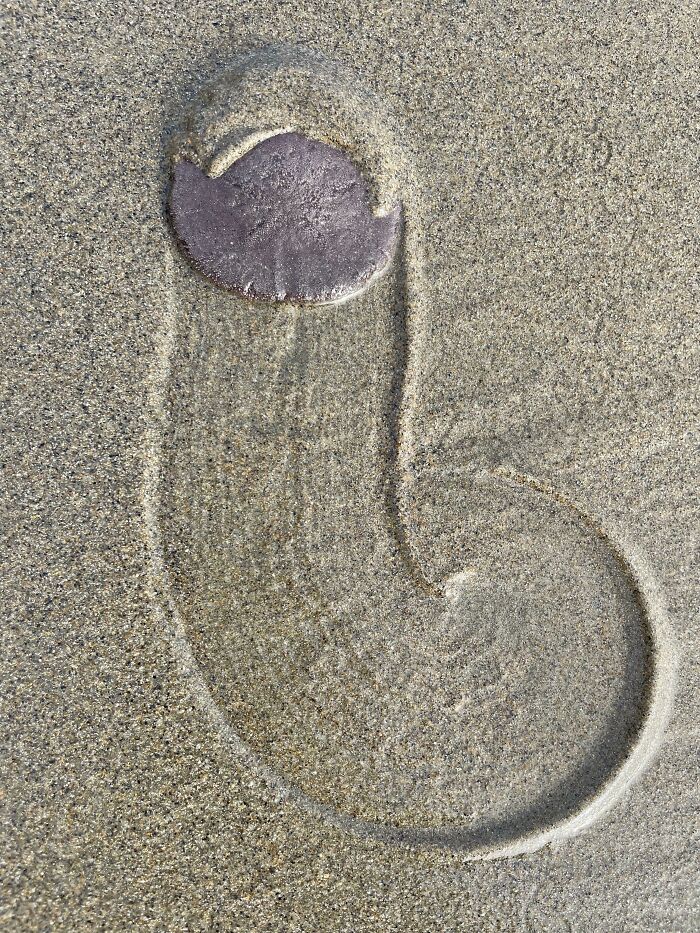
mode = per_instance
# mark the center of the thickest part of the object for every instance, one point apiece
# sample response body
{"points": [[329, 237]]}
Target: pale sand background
{"points": [[558, 161]]}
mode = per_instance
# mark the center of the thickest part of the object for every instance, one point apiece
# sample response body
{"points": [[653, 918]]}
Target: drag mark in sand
{"points": [[478, 712]]}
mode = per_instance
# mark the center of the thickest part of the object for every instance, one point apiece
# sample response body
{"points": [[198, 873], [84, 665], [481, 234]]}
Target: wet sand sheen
{"points": [[383, 701]]}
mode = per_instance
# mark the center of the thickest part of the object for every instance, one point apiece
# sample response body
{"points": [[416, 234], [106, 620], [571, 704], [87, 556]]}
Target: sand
{"points": [[377, 615]]}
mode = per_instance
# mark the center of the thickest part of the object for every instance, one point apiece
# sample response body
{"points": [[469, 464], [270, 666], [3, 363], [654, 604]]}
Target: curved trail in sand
{"points": [[321, 459]]}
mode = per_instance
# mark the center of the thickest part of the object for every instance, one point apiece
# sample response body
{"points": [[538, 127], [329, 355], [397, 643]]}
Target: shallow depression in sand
{"points": [[474, 711], [503, 705]]}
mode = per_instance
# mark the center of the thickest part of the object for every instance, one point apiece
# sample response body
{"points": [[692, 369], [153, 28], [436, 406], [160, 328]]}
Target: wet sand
{"points": [[365, 616]]}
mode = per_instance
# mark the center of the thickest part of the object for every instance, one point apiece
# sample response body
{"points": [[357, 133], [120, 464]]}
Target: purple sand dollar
{"points": [[289, 220]]}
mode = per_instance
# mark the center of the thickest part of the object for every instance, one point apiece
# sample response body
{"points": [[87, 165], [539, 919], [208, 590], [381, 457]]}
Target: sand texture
{"points": [[376, 614]]}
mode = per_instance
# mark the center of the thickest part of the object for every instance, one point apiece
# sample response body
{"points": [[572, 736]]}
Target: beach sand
{"points": [[376, 615]]}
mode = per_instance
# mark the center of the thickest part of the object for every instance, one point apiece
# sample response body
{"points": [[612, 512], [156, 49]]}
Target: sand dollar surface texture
{"points": [[290, 219]]}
